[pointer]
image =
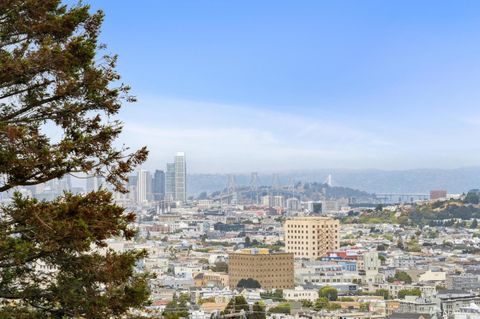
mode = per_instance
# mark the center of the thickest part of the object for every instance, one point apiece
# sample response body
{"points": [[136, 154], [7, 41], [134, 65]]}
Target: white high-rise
{"points": [[180, 177], [170, 182], [143, 181]]}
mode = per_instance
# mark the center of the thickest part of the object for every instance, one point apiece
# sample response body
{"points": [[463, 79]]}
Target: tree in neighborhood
{"points": [[220, 266], [382, 292], [249, 283], [402, 276], [235, 305], [328, 292], [177, 308], [474, 224], [54, 78], [281, 308], [258, 311], [409, 292]]}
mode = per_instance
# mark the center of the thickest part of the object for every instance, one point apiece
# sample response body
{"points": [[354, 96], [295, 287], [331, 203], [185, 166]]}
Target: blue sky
{"points": [[276, 85]]}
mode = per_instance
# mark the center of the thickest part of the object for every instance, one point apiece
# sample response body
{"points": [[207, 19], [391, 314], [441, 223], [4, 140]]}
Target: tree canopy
{"points": [[249, 283], [53, 78], [328, 292], [54, 258]]}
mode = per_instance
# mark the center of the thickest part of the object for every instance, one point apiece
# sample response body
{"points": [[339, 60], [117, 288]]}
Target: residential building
{"points": [[414, 304], [267, 201], [278, 201], [300, 293], [271, 270], [451, 302], [293, 204], [464, 282], [311, 237]]}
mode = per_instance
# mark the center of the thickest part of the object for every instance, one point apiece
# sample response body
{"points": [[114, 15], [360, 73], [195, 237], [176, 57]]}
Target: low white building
{"points": [[299, 293]]}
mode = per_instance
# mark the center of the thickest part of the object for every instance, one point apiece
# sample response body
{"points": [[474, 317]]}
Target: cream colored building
{"points": [[271, 270], [312, 236]]}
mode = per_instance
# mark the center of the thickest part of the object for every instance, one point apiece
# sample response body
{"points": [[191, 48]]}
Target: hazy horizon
{"points": [[277, 86]]}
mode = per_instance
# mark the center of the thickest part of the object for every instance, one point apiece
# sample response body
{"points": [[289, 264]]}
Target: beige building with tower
{"points": [[271, 270], [311, 237]]}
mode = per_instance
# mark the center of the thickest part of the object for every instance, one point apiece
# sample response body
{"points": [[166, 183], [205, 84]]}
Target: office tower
{"points": [[158, 185], [143, 181], [293, 204], [271, 270], [170, 182], [311, 237], [180, 177], [149, 186], [267, 201], [279, 201]]}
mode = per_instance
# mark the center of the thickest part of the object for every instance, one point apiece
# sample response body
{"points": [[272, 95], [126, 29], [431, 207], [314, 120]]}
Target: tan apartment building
{"points": [[311, 236], [271, 270]]}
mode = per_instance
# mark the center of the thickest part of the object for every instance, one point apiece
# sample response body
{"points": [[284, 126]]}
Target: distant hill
{"points": [[373, 181]]}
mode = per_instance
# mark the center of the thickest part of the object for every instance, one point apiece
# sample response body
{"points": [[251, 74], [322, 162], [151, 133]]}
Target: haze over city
{"points": [[262, 86]]}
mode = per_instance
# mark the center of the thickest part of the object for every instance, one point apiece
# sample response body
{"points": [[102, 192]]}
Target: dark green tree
{"points": [[382, 292], [53, 74], [474, 224], [235, 305], [321, 303], [472, 198], [249, 283], [409, 292], [258, 311], [402, 276], [248, 242]]}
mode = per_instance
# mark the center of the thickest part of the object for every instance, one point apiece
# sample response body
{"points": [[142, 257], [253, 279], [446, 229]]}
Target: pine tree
{"points": [[54, 259]]}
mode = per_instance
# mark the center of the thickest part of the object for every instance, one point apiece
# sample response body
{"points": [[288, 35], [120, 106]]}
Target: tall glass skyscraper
{"points": [[158, 185], [144, 184], [170, 183], [180, 177]]}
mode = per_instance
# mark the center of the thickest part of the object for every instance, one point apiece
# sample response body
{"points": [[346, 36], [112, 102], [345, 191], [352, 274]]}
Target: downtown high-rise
{"points": [[144, 184], [158, 187], [180, 178], [170, 182]]}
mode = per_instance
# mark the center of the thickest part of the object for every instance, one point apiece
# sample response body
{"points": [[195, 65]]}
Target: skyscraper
{"points": [[143, 186], [159, 185], [180, 177], [170, 182]]}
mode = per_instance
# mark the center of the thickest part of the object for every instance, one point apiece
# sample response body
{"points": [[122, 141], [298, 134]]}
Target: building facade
{"points": [[170, 182], [180, 177], [158, 185], [311, 237], [144, 184], [271, 270]]}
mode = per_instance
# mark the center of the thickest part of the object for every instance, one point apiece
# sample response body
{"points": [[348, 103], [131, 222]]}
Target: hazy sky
{"points": [[274, 85]]}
